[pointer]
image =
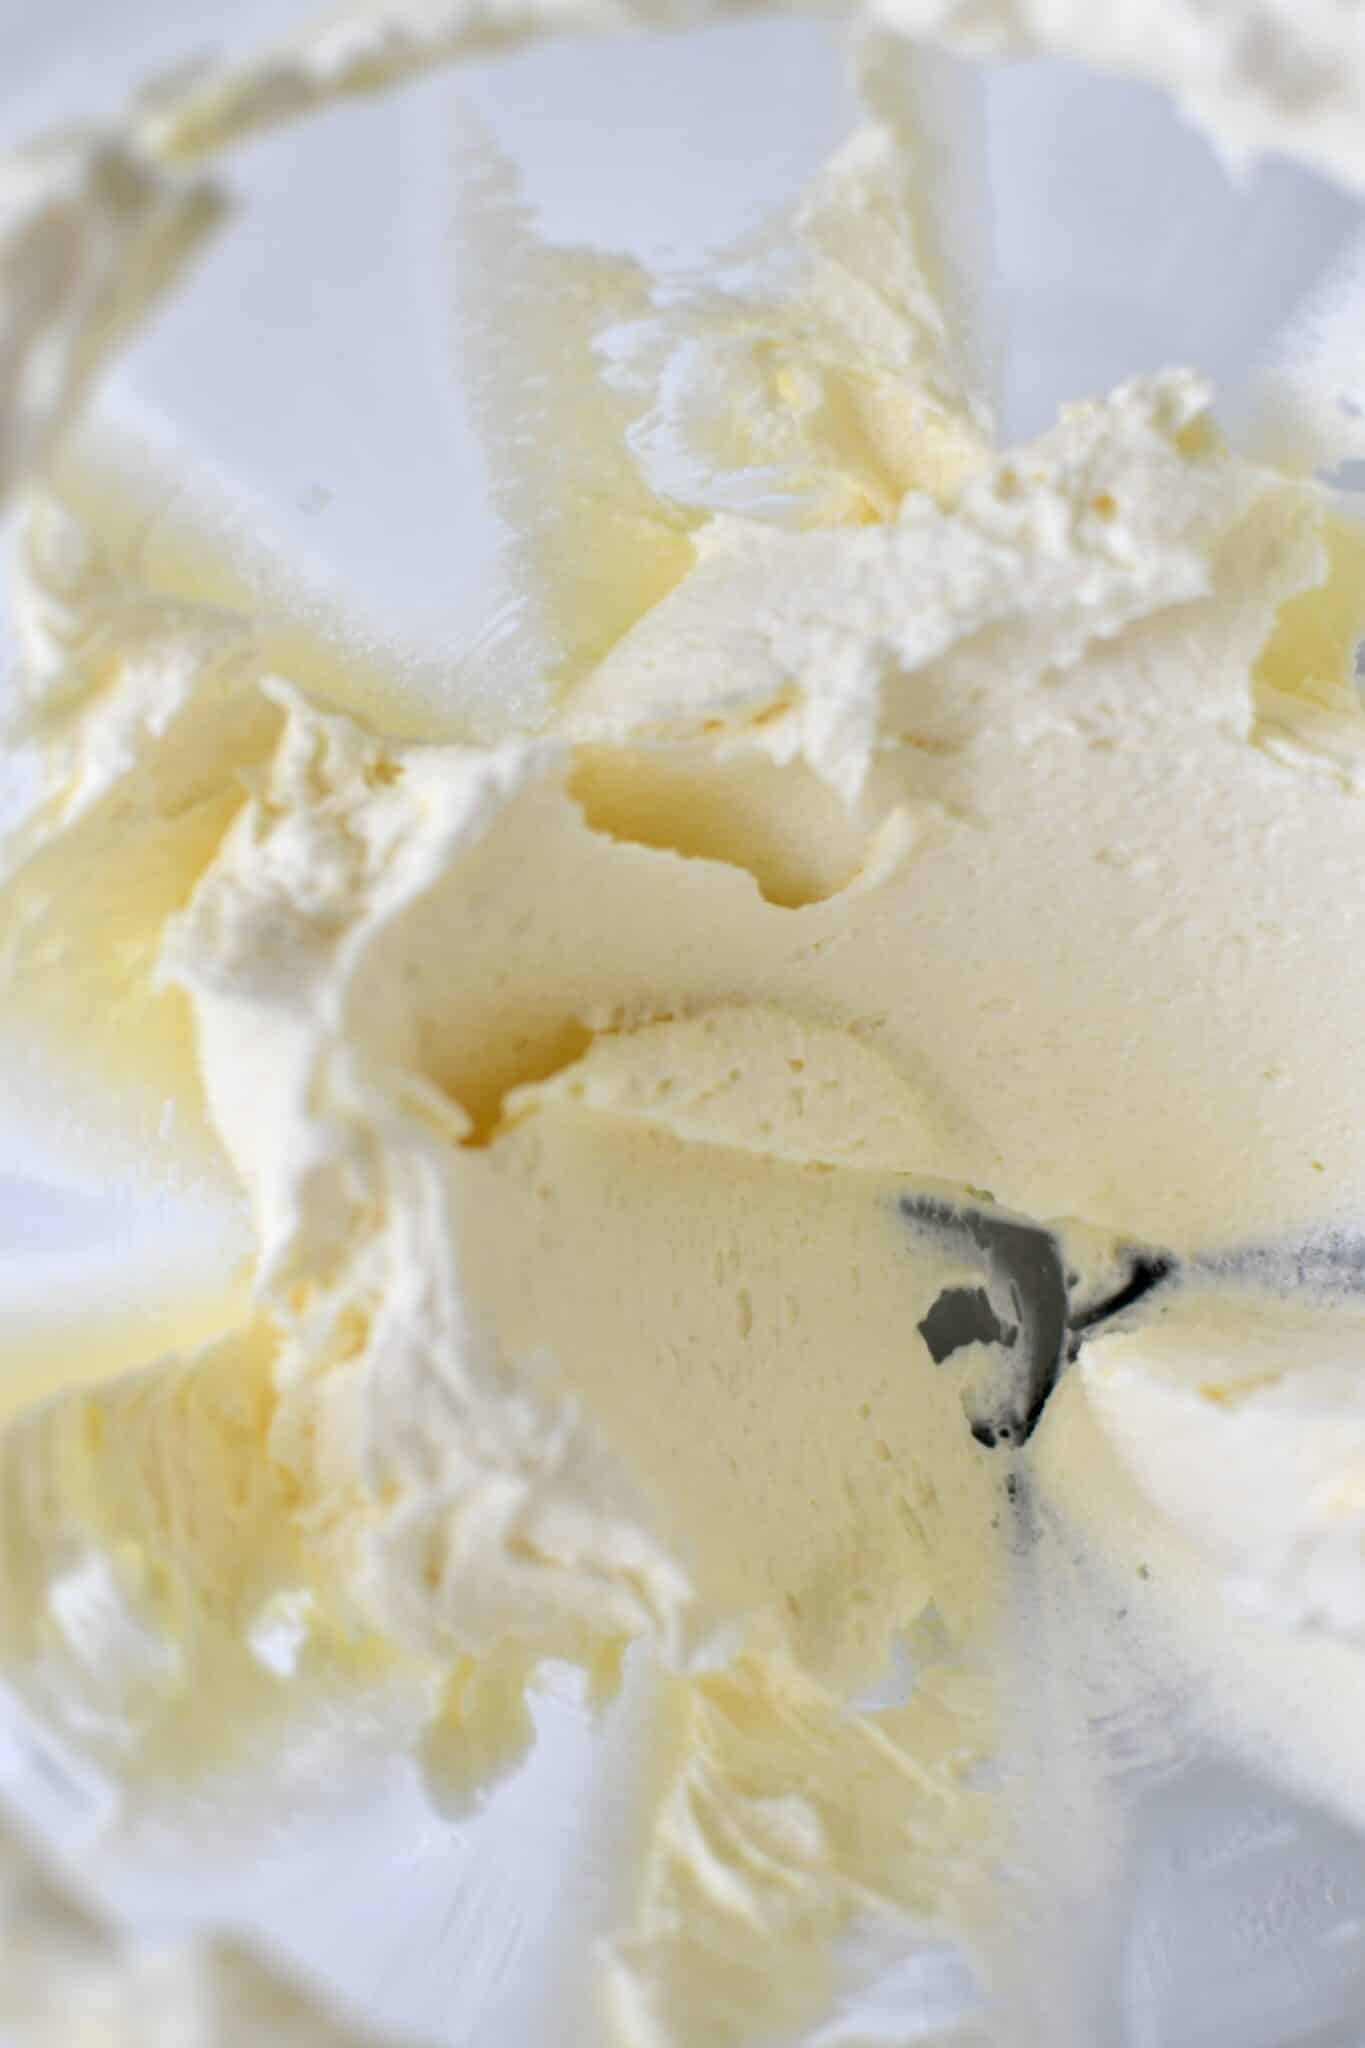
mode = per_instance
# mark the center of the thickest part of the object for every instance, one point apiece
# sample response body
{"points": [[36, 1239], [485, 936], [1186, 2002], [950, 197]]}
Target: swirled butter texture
{"points": [[913, 829]]}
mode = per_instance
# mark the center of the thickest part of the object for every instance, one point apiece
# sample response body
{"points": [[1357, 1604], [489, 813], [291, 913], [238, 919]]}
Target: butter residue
{"points": [[1241, 1419], [1289, 79], [68, 1976], [783, 1823]]}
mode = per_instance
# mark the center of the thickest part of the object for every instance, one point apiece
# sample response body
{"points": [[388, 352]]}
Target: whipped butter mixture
{"points": [[843, 1074]]}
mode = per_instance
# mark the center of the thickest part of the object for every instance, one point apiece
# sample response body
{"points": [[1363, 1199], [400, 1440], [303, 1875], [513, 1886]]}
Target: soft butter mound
{"points": [[1241, 1418]]}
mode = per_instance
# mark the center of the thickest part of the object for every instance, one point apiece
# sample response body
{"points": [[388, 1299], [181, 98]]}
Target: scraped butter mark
{"points": [[1240, 1418], [1259, 78]]}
